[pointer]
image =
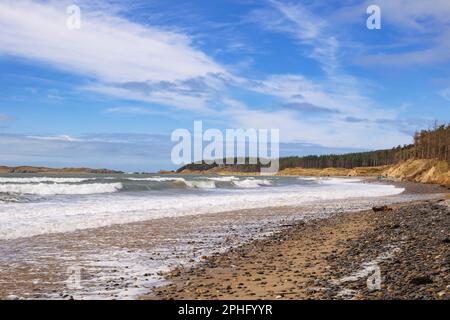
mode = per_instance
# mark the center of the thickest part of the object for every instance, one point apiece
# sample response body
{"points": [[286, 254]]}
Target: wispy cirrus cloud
{"points": [[308, 108], [196, 94], [65, 138], [338, 93], [130, 110], [434, 52], [309, 30], [419, 32]]}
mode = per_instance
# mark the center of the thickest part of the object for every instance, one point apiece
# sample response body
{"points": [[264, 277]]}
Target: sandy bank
{"points": [[423, 171]]}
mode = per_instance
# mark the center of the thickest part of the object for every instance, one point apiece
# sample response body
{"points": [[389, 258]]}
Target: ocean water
{"points": [[33, 205]]}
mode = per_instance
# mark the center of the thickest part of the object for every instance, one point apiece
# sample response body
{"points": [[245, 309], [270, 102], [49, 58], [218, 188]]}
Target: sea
{"points": [[38, 204]]}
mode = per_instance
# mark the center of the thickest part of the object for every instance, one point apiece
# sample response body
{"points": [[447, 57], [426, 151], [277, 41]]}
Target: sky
{"points": [[110, 93]]}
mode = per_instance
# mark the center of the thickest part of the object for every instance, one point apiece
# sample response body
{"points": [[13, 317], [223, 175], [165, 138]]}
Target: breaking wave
{"points": [[210, 182], [252, 183], [43, 179], [201, 184], [223, 179], [44, 189], [158, 179]]}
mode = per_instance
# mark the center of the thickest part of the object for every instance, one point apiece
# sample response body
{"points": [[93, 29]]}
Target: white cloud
{"points": [[130, 110], [56, 138], [106, 138], [412, 16], [107, 48], [340, 93], [420, 29], [327, 132], [163, 97], [436, 52], [343, 96], [445, 93]]}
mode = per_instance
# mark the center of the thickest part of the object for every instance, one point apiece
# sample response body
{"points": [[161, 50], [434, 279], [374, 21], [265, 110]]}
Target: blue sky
{"points": [[111, 93]]}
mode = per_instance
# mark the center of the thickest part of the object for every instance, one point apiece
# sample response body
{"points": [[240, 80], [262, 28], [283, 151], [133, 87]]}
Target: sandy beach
{"points": [[333, 258]]}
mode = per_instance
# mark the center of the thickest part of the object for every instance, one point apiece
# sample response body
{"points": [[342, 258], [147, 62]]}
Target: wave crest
{"points": [[43, 179], [59, 189], [158, 179], [251, 183], [201, 184]]}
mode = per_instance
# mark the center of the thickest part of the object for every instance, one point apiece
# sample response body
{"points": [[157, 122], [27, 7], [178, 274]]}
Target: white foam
{"points": [[49, 216], [200, 184], [210, 182], [8, 198], [197, 184], [308, 178], [223, 179], [43, 179], [158, 179], [54, 189], [252, 183], [338, 181]]}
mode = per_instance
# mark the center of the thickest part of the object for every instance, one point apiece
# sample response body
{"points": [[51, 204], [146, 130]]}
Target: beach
{"points": [[332, 259], [145, 237]]}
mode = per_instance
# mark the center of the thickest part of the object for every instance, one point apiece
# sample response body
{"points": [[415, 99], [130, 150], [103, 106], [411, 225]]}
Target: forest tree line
{"points": [[428, 144]]}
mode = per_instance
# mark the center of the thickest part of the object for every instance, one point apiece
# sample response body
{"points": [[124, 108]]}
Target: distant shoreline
{"points": [[31, 169], [414, 170]]}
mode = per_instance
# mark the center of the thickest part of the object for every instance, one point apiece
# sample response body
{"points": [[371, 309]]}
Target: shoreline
{"points": [[328, 258], [126, 261]]}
